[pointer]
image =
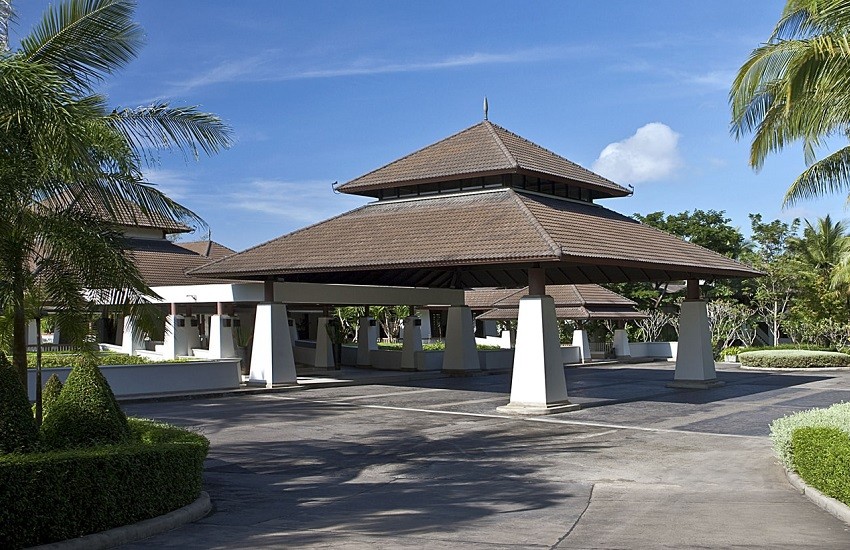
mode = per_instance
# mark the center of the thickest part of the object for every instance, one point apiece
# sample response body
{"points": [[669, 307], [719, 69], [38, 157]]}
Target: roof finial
{"points": [[486, 108]]}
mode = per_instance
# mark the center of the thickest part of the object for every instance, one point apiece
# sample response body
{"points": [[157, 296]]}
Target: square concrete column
{"points": [[580, 340], [491, 328], [130, 342], [461, 355], [411, 343], [221, 337], [324, 346], [621, 343], [176, 342], [425, 316], [695, 358], [538, 384], [272, 359], [193, 334], [367, 340]]}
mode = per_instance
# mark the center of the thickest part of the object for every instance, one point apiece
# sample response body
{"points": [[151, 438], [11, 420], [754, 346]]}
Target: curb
{"points": [[137, 531], [831, 505]]}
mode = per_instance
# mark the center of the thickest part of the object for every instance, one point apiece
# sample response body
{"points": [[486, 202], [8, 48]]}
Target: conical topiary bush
{"points": [[18, 432], [86, 412], [50, 394]]}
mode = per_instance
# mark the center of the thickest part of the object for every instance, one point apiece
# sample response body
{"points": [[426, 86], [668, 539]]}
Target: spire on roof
{"points": [[486, 108]]}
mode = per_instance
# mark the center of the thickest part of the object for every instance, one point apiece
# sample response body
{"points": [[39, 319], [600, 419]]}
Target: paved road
{"points": [[430, 464]]}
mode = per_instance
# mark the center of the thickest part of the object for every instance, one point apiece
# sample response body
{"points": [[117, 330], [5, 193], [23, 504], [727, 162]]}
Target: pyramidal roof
{"points": [[480, 150]]}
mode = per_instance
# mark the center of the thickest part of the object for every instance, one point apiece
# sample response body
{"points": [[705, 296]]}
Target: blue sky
{"points": [[318, 92]]}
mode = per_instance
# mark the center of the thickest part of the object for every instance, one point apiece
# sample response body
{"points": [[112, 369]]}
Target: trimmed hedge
{"points": [[822, 459], [50, 394], [86, 412], [796, 359], [782, 429], [52, 496], [18, 431]]}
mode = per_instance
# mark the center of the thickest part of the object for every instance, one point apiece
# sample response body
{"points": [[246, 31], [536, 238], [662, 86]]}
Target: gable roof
{"points": [[583, 301], [482, 149], [475, 239], [165, 263]]}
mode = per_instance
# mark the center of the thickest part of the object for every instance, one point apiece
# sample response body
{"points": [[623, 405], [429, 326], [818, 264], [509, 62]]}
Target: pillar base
{"points": [[696, 384], [534, 409], [274, 385]]}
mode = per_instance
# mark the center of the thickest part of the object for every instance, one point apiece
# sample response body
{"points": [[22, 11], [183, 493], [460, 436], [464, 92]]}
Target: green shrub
{"points": [[59, 359], [50, 394], [798, 359], [86, 412], [782, 429], [732, 350], [18, 431], [822, 459], [57, 495], [811, 347]]}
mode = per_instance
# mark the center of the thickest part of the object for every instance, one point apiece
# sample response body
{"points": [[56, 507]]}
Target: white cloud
{"points": [[175, 185], [650, 154]]}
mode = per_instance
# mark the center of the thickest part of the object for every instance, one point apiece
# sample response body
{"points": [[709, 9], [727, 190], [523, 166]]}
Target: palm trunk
{"points": [[19, 337]]}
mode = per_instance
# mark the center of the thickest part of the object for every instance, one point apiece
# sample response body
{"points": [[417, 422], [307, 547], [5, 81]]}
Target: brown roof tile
{"points": [[564, 296], [164, 263], [482, 149], [577, 313], [209, 249], [474, 239]]}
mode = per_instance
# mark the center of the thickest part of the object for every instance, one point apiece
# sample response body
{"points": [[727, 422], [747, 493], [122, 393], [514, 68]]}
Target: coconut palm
{"points": [[824, 244], [69, 164], [796, 87]]}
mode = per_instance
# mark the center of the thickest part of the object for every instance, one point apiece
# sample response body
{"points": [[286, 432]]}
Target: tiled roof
{"points": [[576, 313], [482, 149], [475, 239], [209, 249], [125, 213], [564, 296], [164, 263]]}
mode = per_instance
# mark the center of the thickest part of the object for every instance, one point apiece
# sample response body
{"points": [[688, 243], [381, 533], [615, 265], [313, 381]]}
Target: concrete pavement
{"points": [[430, 464]]}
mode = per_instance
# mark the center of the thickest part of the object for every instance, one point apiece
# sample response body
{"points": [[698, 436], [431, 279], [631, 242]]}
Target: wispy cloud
{"points": [[270, 66], [303, 201], [174, 184]]}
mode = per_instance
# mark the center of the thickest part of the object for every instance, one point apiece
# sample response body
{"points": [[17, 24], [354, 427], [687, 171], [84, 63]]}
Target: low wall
{"points": [[659, 350], [129, 380], [304, 352], [496, 359], [571, 354]]}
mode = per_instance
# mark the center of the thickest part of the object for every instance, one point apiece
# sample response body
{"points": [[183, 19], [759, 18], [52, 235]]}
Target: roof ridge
{"points": [[565, 159], [579, 296], [511, 158], [553, 246], [396, 161], [511, 295]]}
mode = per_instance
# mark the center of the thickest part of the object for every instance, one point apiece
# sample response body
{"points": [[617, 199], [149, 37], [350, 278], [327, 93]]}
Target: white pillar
{"points": [[367, 340], [221, 337], [293, 331], [193, 334], [425, 316], [272, 360], [621, 343], [491, 328], [32, 332], [695, 358], [411, 343], [538, 384], [130, 343], [175, 342], [324, 346], [461, 355], [580, 340]]}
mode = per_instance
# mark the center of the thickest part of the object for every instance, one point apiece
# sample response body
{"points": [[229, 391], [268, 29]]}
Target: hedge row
{"points": [[782, 429], [798, 359], [51, 496], [822, 459]]}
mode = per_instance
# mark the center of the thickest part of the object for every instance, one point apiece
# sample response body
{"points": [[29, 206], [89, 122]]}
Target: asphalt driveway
{"points": [[430, 464]]}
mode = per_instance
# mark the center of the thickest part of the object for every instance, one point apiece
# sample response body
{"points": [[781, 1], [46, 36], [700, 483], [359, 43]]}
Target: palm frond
{"points": [[829, 175]]}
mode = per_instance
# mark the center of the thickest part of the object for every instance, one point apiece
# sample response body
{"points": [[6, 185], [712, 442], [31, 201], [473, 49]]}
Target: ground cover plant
{"points": [[89, 468], [433, 346], [816, 445], [793, 358], [60, 359]]}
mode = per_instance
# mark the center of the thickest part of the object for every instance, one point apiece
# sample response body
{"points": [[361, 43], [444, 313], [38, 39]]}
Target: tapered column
{"points": [[460, 355], [130, 343], [412, 342], [621, 343], [425, 316], [580, 340], [538, 385], [221, 337], [272, 359], [193, 334], [695, 358], [367, 340], [32, 332], [175, 342], [324, 346]]}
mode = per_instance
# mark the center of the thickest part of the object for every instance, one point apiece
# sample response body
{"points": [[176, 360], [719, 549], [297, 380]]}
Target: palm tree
{"points": [[69, 164], [796, 87], [824, 244]]}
